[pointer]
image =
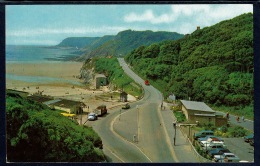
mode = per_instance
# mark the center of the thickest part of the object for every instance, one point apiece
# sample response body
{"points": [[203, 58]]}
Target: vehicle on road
{"points": [[248, 137], [203, 134], [92, 116], [126, 106], [100, 110], [226, 157], [146, 82], [218, 151]]}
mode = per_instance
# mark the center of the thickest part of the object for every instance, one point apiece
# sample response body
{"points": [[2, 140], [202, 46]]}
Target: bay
{"points": [[37, 54], [23, 54]]}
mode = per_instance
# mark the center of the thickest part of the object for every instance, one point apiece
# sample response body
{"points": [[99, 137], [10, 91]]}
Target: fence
{"points": [[188, 135]]}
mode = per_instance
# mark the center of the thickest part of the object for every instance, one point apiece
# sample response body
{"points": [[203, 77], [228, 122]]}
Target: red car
{"points": [[146, 82]]}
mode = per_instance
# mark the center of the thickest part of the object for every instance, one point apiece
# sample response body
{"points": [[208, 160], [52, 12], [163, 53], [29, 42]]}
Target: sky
{"points": [[50, 24]]}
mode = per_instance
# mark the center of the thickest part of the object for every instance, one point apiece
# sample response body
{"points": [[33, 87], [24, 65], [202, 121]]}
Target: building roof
{"points": [[194, 105], [40, 98], [123, 93], [21, 93], [52, 101], [205, 115], [172, 97], [67, 103], [100, 75]]}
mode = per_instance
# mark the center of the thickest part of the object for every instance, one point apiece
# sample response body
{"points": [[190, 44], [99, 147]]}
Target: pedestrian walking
{"points": [[243, 118], [237, 118], [227, 115]]}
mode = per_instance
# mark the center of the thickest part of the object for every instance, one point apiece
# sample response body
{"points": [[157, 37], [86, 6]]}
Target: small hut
{"points": [[123, 96], [100, 80]]}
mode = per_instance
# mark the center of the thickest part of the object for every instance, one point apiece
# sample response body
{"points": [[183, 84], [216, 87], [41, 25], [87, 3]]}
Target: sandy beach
{"points": [[61, 70]]}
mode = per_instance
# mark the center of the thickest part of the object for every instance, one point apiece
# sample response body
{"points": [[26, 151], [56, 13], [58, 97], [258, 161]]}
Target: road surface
{"points": [[152, 145], [151, 135]]}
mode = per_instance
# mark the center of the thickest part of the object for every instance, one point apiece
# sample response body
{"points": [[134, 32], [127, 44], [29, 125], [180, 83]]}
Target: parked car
{"points": [[251, 142], [209, 136], [248, 137], [218, 151], [211, 141], [92, 116], [203, 134], [226, 157], [126, 106], [211, 146]]}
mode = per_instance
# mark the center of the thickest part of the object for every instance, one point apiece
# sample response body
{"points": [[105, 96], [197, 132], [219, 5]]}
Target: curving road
{"points": [[151, 133], [153, 143]]}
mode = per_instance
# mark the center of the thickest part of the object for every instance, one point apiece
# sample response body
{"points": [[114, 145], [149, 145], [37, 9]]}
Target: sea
{"points": [[39, 54]]}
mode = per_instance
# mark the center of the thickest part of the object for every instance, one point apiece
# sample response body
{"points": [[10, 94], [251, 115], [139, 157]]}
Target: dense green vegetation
{"points": [[214, 65], [79, 42], [117, 76], [34, 133], [109, 66], [127, 40]]}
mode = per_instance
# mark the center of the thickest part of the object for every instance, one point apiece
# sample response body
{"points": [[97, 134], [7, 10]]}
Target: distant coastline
{"points": [[39, 53]]}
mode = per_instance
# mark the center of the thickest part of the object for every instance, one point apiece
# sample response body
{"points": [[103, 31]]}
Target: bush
{"points": [[32, 126], [209, 126], [237, 131], [180, 116]]}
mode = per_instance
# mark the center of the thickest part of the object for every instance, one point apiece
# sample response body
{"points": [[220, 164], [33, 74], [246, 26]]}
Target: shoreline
{"points": [[59, 70]]}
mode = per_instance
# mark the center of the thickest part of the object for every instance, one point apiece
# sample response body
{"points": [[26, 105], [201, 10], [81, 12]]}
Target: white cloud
{"points": [[148, 16], [191, 14]]}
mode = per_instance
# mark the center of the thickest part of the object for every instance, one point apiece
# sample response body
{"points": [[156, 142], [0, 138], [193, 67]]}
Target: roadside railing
{"points": [[192, 148]]}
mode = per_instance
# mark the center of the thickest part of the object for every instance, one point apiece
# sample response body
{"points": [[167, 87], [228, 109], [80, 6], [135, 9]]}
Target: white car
{"points": [[92, 116], [211, 146], [226, 157], [211, 141]]}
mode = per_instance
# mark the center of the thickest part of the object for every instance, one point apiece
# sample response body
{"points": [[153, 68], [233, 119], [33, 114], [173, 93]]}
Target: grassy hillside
{"points": [[128, 40], [213, 65], [79, 42], [115, 74], [34, 133]]}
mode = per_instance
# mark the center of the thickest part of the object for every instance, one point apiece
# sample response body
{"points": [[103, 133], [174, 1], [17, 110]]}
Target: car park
{"points": [[226, 157], [92, 117], [248, 137], [218, 151], [203, 134]]}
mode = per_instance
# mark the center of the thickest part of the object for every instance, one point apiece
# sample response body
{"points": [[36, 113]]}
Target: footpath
{"points": [[125, 125]]}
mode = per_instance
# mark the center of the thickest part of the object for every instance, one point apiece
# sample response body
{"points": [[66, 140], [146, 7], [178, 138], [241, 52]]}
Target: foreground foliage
{"points": [[37, 134]]}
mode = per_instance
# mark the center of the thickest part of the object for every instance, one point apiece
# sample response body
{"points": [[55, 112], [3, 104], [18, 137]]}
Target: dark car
{"points": [[251, 142], [218, 151], [249, 137], [126, 106], [203, 134]]}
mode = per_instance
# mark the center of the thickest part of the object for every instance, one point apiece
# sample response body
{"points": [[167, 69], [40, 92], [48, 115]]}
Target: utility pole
{"points": [[174, 138]]}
